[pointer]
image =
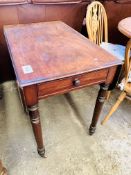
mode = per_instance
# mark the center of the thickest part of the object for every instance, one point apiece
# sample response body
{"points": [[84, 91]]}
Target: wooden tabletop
{"points": [[124, 27], [47, 51]]}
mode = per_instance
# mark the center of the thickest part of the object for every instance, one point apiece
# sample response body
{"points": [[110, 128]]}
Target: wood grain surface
{"points": [[68, 84], [53, 50]]}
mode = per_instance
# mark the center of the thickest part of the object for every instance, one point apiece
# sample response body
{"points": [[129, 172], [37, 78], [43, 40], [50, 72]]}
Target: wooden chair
{"points": [[125, 85], [97, 29]]}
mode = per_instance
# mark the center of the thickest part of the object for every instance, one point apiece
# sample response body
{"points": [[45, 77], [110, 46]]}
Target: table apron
{"points": [[68, 84]]}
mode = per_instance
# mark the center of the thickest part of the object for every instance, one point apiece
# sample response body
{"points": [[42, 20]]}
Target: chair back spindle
{"points": [[96, 23]]}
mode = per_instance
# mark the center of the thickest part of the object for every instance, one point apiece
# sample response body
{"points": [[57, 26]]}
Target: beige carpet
{"points": [[65, 121]]}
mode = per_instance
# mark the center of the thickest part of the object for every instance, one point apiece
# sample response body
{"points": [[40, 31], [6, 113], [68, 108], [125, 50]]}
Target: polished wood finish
{"points": [[36, 125], [98, 107], [124, 27], [66, 84], [125, 85], [37, 45], [61, 60]]}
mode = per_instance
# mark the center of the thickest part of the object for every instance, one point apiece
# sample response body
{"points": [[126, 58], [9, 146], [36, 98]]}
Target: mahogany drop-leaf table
{"points": [[52, 58]]}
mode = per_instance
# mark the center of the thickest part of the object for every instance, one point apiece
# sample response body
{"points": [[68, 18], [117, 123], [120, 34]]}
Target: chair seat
{"points": [[114, 49]]}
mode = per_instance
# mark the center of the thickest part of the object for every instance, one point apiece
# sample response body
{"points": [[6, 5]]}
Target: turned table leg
{"points": [[98, 107], [31, 100], [36, 125]]}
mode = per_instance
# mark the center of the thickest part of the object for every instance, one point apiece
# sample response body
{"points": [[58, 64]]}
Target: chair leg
{"points": [[114, 108], [3, 170], [108, 95]]}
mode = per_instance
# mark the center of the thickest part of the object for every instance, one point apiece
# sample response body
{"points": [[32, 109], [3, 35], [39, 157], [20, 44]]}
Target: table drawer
{"points": [[74, 82]]}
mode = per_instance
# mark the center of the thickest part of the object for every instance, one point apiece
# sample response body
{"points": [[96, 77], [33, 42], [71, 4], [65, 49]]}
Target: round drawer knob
{"points": [[76, 82]]}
